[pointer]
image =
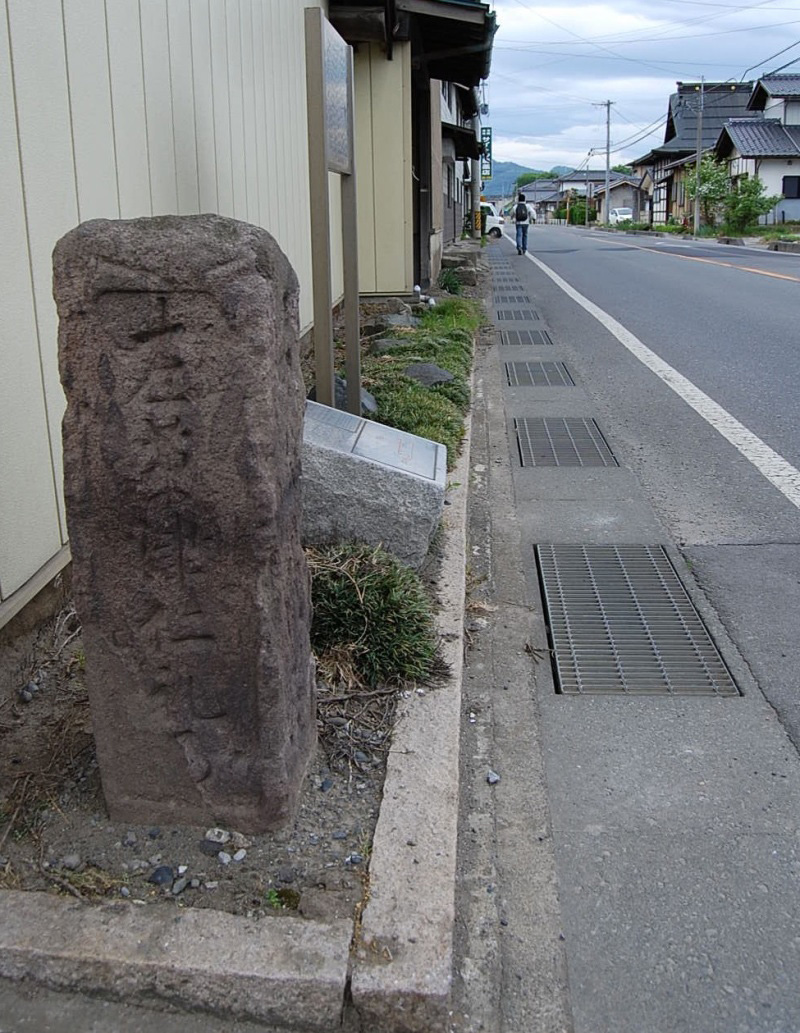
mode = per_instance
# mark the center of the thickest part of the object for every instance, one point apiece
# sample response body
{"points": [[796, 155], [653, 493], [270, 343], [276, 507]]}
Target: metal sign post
{"points": [[329, 83]]}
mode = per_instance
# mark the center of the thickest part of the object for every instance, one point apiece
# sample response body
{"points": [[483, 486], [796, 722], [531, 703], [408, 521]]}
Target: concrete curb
{"points": [[402, 969], [292, 973], [289, 973]]}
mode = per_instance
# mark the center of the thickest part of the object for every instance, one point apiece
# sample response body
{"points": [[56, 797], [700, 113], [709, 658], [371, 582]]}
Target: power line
{"points": [[770, 58]]}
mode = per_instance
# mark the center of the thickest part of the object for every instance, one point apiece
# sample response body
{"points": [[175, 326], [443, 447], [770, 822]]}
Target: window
{"points": [[449, 186], [791, 186]]}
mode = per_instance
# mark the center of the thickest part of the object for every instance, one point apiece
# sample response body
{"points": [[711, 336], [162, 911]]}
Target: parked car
{"points": [[494, 221], [618, 215]]}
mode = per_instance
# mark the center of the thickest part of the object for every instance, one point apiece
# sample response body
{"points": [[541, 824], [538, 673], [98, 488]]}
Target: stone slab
{"points": [[179, 356], [363, 481], [289, 973]]}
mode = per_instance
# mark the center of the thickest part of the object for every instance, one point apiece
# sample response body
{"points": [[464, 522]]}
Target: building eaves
{"points": [[784, 86], [758, 138]]}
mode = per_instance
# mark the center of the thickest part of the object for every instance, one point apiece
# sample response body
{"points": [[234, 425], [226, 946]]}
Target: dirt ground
{"points": [[55, 833]]}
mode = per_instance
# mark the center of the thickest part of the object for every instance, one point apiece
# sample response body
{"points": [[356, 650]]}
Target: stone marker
{"points": [[363, 481], [182, 437]]}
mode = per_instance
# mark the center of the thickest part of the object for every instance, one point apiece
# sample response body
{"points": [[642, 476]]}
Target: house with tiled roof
{"points": [[665, 167], [766, 144]]}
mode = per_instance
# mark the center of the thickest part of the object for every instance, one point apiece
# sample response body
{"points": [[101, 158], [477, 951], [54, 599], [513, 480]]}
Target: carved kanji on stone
{"points": [[182, 436]]}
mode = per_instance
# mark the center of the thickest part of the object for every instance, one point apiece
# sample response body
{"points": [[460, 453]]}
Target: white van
{"points": [[494, 221]]}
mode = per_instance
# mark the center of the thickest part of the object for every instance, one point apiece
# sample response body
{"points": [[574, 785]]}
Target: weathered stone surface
{"points": [[468, 277], [368, 403], [428, 373], [366, 482], [178, 355]]}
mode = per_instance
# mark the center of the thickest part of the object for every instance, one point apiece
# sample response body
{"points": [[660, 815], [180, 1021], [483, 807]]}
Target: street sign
{"points": [[486, 157]]}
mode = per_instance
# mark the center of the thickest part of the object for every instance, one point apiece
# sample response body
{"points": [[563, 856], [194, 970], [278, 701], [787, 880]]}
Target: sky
{"points": [[555, 64]]}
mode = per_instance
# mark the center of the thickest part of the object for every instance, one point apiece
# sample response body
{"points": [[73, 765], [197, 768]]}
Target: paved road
{"points": [[637, 868]]}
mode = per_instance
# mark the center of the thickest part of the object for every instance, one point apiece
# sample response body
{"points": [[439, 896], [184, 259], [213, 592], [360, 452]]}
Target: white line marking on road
{"points": [[780, 473]]}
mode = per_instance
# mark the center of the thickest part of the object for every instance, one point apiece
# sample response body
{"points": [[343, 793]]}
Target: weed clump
{"points": [[373, 623]]}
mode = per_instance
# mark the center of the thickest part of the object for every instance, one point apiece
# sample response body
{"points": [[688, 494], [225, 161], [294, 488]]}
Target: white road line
{"points": [[780, 473]]}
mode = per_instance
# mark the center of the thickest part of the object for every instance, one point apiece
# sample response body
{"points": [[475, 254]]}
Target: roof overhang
{"points": [[452, 38], [466, 144]]}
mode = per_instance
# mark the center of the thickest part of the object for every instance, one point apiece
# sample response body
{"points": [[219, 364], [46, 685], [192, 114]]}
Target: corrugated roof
{"points": [[760, 138], [787, 86]]}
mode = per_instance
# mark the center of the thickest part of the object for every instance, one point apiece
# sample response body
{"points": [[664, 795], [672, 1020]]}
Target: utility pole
{"points": [[699, 158], [607, 199]]}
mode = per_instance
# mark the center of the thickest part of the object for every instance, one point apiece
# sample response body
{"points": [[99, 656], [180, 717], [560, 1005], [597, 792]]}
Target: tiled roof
{"points": [[787, 86], [763, 138], [721, 101]]}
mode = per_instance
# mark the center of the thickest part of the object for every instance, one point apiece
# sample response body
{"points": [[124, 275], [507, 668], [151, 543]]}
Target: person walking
{"points": [[522, 217]]}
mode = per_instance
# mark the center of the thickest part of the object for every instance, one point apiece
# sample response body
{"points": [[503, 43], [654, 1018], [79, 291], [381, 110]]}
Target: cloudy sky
{"points": [[553, 63]]}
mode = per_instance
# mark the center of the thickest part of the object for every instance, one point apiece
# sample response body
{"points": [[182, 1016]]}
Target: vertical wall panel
{"points": [[49, 181], [29, 533], [222, 107], [180, 64], [265, 185], [367, 257], [158, 106], [127, 96], [235, 87], [90, 103], [204, 106], [249, 111]]}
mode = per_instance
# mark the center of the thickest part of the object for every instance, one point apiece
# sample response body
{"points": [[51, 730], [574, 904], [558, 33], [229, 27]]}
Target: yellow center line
{"points": [[715, 261]]}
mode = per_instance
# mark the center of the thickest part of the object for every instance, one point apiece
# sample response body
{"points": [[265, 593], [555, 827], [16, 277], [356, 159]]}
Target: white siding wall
{"points": [[124, 108]]}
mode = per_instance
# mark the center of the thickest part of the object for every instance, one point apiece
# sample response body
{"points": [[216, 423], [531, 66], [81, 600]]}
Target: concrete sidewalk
{"points": [[637, 867]]}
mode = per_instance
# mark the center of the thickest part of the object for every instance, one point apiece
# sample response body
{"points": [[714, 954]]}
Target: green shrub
{"points": [[450, 281], [373, 622]]}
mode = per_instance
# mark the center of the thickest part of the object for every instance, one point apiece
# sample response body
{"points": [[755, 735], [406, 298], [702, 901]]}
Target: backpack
{"points": [[521, 213]]}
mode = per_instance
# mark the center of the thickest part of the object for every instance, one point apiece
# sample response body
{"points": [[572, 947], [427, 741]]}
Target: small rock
{"points": [[220, 836], [326, 784], [313, 838], [286, 875], [3, 862], [179, 886], [182, 869], [24, 696], [339, 834], [124, 891], [162, 876], [354, 859], [154, 833], [211, 885], [428, 374], [240, 855], [71, 862], [208, 848], [224, 857], [130, 839], [240, 842], [155, 860], [195, 884], [504, 922], [360, 758], [492, 778]]}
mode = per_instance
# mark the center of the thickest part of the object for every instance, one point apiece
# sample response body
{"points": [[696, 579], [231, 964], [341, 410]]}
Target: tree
{"points": [[529, 177], [626, 170], [714, 188], [746, 200]]}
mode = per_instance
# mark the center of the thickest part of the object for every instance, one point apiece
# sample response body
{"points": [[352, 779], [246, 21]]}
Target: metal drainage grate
{"points": [[511, 299], [557, 441], [538, 374], [517, 315], [533, 338], [620, 621]]}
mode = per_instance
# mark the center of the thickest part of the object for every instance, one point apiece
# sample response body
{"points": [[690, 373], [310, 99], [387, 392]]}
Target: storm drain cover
{"points": [[527, 337], [620, 621], [511, 299], [538, 374], [557, 441], [517, 315]]}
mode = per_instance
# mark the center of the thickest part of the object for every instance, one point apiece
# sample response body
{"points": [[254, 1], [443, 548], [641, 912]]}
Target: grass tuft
{"points": [[372, 623]]}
